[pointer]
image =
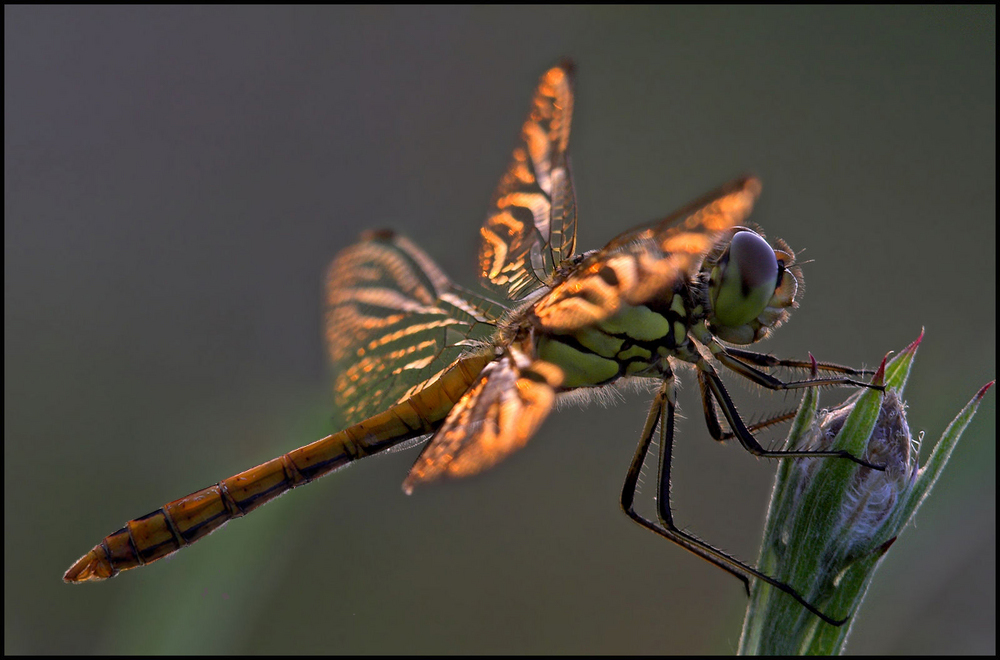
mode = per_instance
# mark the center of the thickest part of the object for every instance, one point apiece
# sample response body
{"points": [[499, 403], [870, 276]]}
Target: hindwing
{"points": [[394, 321]]}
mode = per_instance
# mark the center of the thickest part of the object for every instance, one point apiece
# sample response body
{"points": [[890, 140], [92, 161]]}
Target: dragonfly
{"points": [[417, 356]]}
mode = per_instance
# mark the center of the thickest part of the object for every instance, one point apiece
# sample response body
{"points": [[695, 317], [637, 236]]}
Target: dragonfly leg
{"points": [[772, 383], [712, 417], [708, 405], [665, 403], [765, 360], [745, 436]]}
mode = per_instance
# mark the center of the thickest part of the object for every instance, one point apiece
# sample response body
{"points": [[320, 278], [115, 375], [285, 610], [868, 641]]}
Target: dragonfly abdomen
{"points": [[191, 518], [195, 516]]}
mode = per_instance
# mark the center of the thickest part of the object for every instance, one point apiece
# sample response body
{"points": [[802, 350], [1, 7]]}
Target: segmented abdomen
{"points": [[184, 521]]}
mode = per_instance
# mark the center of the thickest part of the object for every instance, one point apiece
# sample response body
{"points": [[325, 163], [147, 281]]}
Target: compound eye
{"points": [[747, 282]]}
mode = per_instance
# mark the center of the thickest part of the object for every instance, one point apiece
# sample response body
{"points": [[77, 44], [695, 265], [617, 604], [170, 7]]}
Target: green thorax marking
{"points": [[632, 342]]}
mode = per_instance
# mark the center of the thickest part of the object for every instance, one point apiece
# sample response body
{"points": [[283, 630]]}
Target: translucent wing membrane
{"points": [[531, 226], [495, 417], [640, 264], [395, 321]]}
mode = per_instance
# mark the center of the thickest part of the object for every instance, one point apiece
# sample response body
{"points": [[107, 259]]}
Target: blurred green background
{"points": [[176, 181]]}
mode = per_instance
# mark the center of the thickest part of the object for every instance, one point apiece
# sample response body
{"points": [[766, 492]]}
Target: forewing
{"points": [[645, 262], [531, 225], [496, 416], [394, 320]]}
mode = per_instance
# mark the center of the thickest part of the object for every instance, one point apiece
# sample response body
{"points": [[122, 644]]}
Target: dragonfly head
{"points": [[751, 286]]}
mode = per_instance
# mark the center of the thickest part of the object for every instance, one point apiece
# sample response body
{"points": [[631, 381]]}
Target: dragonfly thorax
{"points": [[637, 340], [742, 290]]}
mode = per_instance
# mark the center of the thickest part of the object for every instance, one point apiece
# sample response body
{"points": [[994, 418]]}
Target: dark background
{"points": [[176, 180]]}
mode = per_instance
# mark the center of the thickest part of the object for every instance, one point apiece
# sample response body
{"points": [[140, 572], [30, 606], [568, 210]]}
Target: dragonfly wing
{"points": [[531, 226], [646, 261], [496, 416], [395, 321]]}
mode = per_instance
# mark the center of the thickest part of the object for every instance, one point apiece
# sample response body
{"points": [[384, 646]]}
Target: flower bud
{"points": [[831, 521]]}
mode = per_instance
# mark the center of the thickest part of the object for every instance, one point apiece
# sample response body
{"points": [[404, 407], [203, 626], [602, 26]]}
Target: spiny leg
{"points": [[724, 355], [743, 434], [765, 360], [665, 400], [712, 417], [711, 386]]}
